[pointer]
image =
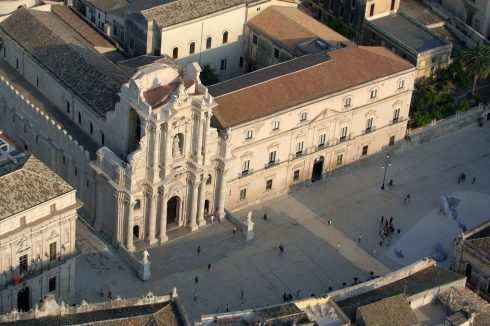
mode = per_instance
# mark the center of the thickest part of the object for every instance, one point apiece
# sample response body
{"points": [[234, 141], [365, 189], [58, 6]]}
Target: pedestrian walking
{"points": [[265, 216], [463, 177], [285, 297], [474, 180], [241, 306], [329, 222], [199, 250], [338, 246], [374, 252], [359, 238], [234, 230], [391, 219], [227, 307], [195, 296], [381, 243], [241, 295], [196, 280], [281, 248], [101, 292], [109, 296], [382, 219], [209, 267], [297, 293]]}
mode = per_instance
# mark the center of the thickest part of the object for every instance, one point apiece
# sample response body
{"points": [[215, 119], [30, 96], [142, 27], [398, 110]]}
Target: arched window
{"points": [[209, 42], [137, 204], [192, 48], [225, 37], [175, 53]]}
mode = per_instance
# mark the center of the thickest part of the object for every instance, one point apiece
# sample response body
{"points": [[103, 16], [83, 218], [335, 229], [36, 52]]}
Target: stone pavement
{"points": [[310, 264]]}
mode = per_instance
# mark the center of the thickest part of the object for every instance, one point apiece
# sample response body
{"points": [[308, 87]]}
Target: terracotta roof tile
{"points": [[291, 27], [348, 67]]}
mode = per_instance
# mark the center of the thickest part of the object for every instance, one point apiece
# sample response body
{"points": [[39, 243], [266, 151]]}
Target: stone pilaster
{"points": [[163, 218], [98, 202], [192, 223], [116, 238], [202, 194], [152, 220], [129, 228], [220, 212]]}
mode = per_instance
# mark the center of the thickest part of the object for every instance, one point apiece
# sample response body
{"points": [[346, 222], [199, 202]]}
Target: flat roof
{"points": [[414, 36]]}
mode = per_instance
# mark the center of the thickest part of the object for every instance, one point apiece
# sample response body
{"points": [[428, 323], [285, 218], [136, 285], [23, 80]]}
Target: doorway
{"points": [[23, 299], [467, 271], [316, 174], [136, 231], [173, 208], [206, 207]]}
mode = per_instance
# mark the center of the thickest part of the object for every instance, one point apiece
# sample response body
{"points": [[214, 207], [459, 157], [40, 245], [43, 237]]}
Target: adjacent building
{"points": [[475, 13], [38, 213], [425, 49], [471, 257], [281, 33]]}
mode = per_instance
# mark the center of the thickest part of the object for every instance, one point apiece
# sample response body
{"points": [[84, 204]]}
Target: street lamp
{"points": [[385, 167]]}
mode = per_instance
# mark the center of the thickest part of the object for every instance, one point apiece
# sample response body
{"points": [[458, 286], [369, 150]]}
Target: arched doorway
{"points": [[467, 271], [206, 207], [173, 209], [316, 174], [136, 231], [23, 299]]}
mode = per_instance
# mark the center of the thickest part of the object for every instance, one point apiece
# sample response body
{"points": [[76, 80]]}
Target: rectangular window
{"points": [[392, 141], [52, 284], [272, 157], [321, 141], [299, 148], [91, 128], [4, 52], [37, 81], [23, 263], [339, 159], [343, 133], [330, 6], [364, 150], [245, 166], [371, 10], [275, 125], [52, 208], [79, 117], [351, 18], [249, 134], [67, 107], [392, 5], [23, 220], [353, 3], [268, 184], [369, 124], [17, 63], [396, 115], [52, 251], [296, 175], [276, 53], [131, 43], [341, 12], [254, 39], [374, 93], [102, 138], [223, 64], [243, 194], [240, 63]]}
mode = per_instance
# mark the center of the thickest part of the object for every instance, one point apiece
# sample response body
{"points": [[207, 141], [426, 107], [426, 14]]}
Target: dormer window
{"points": [[374, 93], [347, 102], [303, 117], [249, 134]]}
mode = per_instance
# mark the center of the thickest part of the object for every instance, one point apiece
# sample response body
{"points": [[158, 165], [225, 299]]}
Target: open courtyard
{"points": [[317, 255]]}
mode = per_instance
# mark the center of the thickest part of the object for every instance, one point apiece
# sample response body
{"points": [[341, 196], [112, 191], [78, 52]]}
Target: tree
{"points": [[208, 76], [476, 62]]}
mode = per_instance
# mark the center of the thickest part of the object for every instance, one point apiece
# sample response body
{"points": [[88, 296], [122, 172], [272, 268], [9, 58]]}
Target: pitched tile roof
{"points": [[467, 302], [392, 311], [290, 27], [69, 57], [27, 183], [108, 5], [171, 12], [348, 67]]}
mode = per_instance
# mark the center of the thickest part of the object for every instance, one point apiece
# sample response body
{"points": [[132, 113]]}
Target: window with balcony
{"points": [[299, 148], [396, 115], [272, 157], [321, 141], [23, 260], [243, 194], [268, 184], [52, 251], [343, 134], [245, 167], [369, 125]]}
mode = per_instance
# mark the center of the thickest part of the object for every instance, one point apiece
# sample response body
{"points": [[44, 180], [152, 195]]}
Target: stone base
{"points": [[130, 248], [201, 222], [152, 241], [163, 239], [194, 227]]}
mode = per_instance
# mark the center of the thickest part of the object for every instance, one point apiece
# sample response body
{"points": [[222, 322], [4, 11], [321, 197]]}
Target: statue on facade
{"points": [[145, 256], [176, 146]]}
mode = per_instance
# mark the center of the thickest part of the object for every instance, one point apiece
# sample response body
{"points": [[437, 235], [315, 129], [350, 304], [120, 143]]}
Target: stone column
{"points": [[152, 219], [207, 123], [129, 228], [168, 149], [220, 212], [163, 219], [156, 147], [199, 139], [194, 184], [116, 239], [200, 208]]}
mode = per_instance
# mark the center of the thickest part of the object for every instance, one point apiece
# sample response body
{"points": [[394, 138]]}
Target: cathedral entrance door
{"points": [[316, 174], [23, 299], [173, 210]]}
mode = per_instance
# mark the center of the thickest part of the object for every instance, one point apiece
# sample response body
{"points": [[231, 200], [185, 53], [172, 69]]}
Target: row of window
{"points": [[249, 134], [192, 45], [299, 151], [23, 265]]}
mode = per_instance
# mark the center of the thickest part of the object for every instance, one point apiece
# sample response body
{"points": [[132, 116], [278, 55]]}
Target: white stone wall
{"points": [[324, 116]]}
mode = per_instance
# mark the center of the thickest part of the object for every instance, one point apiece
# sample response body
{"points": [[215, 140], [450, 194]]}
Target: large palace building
{"points": [[150, 149]]}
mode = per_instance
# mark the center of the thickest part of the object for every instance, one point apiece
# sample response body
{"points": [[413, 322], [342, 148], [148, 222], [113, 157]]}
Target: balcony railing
{"points": [[271, 164], [245, 173], [368, 130], [396, 120]]}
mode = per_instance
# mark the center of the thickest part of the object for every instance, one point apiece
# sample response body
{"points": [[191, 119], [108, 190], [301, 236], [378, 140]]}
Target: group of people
{"points": [[386, 231], [462, 178]]}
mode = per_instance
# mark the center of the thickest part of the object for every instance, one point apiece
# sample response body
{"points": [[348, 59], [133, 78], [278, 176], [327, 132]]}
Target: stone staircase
{"points": [[208, 255]]}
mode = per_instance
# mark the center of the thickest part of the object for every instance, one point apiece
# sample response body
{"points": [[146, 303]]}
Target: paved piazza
{"points": [[310, 264]]}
